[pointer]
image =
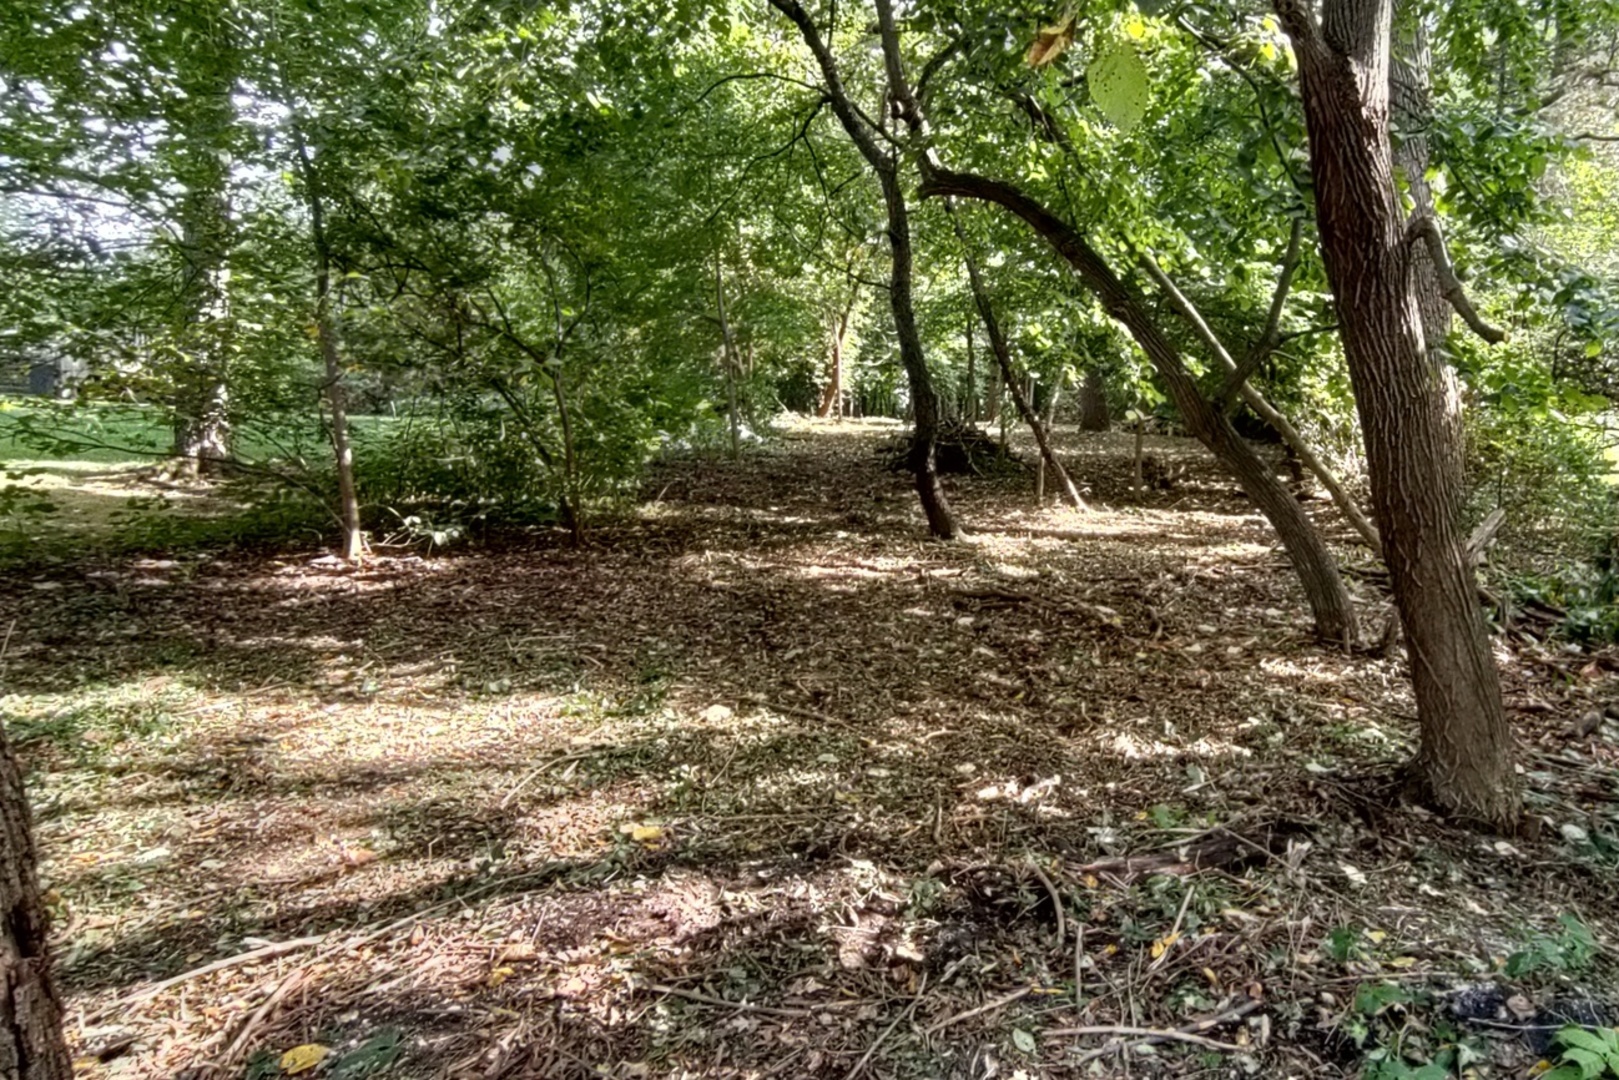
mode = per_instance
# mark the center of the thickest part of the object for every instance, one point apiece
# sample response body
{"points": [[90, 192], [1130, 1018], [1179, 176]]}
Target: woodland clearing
{"points": [[757, 782]]}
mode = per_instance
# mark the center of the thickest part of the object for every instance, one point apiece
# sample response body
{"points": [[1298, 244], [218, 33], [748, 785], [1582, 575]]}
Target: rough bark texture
{"points": [[1465, 763], [1312, 560], [1093, 413], [924, 398], [31, 1046]]}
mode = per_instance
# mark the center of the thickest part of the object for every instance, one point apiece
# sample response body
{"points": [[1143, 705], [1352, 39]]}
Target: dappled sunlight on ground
{"points": [[735, 785]]}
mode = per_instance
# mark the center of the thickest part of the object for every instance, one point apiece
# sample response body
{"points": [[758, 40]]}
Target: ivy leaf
{"points": [[1119, 84]]}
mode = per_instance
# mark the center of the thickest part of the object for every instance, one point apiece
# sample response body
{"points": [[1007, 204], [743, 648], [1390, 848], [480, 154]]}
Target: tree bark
{"points": [[1003, 358], [924, 398], [328, 334], [1465, 761], [1093, 414], [31, 1046], [1312, 560], [206, 116], [731, 364]]}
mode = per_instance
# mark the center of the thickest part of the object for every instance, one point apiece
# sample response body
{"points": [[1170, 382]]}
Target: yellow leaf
{"points": [[1136, 27], [1161, 946], [1377, 936], [1090, 881], [303, 1058], [1402, 961], [1214, 980], [1051, 42], [646, 834], [500, 975]]}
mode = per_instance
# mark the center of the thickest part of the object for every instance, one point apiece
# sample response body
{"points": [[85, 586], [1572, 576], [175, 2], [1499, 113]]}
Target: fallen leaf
{"points": [[301, 1059], [1051, 42]]}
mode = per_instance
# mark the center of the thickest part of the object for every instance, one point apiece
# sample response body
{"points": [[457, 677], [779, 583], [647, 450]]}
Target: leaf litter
{"points": [[759, 782]]}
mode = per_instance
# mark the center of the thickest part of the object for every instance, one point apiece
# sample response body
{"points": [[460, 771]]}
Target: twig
{"points": [[288, 985], [5, 645], [988, 1006], [525, 781], [740, 1006], [263, 952], [1170, 938], [889, 1030], [1079, 963], [1136, 1036], [1056, 901]]}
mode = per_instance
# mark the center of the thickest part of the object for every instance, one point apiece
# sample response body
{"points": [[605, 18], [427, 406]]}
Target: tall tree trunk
{"points": [[1003, 358], [731, 363], [330, 341], [1465, 761], [206, 116], [924, 398], [972, 376], [31, 1046], [1312, 560], [832, 395], [1093, 414]]}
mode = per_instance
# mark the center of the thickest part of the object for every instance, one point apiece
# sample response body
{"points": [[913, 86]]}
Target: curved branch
{"points": [[1426, 227]]}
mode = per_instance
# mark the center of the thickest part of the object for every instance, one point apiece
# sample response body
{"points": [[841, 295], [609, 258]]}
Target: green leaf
{"points": [[1119, 84], [1023, 1040]]}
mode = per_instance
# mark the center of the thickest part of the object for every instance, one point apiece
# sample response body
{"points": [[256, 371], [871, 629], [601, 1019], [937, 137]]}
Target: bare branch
{"points": [[1426, 228], [1271, 336]]}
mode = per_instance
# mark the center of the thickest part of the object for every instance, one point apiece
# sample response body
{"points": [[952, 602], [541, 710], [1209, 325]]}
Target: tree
{"points": [[1465, 761], [865, 135], [31, 1046]]}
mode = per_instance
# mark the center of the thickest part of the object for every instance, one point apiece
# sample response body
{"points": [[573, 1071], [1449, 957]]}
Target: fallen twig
{"points": [[889, 1030], [263, 952], [988, 1006], [288, 985], [1056, 901], [1127, 1037], [740, 1006]]}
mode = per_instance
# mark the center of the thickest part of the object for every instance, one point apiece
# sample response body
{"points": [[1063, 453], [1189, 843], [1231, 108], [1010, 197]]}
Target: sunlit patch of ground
{"points": [[760, 782]]}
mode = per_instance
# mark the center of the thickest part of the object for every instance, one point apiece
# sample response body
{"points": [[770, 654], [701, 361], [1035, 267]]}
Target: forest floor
{"points": [[762, 783]]}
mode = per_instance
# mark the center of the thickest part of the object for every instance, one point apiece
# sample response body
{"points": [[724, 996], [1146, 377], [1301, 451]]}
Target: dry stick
{"points": [[1141, 1036], [988, 1006], [1174, 932], [289, 984], [1257, 402], [889, 1030], [1056, 901], [549, 763], [705, 999], [1079, 966], [263, 952]]}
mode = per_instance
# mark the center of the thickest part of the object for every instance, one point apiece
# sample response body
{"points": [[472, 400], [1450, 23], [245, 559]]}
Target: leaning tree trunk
{"points": [[1465, 761], [31, 1046], [1003, 358], [924, 398], [1093, 414], [1312, 559]]}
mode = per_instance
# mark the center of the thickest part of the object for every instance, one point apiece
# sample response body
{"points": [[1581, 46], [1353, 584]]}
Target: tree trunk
{"points": [[327, 331], [972, 376], [1465, 762], [1003, 358], [31, 1046], [1312, 560], [1093, 414], [832, 396], [924, 398], [206, 116], [731, 364]]}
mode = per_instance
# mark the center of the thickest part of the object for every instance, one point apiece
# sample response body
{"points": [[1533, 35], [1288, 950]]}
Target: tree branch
{"points": [[1271, 337], [1426, 227]]}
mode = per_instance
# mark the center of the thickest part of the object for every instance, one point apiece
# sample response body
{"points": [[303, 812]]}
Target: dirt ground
{"points": [[762, 783]]}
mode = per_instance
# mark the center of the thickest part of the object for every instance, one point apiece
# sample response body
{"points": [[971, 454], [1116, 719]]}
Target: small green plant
{"points": [[1570, 949], [1586, 1055]]}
